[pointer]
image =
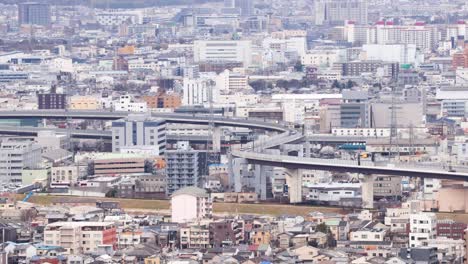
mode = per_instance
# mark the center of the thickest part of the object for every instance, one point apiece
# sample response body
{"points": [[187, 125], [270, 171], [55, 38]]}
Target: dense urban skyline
{"points": [[234, 131]]}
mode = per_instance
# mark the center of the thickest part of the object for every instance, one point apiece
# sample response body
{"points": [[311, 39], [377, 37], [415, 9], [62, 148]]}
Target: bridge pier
{"points": [[238, 167], [307, 149], [367, 191], [216, 140], [260, 181], [294, 183]]}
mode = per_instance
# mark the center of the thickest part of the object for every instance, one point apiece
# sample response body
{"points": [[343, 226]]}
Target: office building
{"points": [[139, 130], [354, 109], [223, 51], [190, 203], [16, 155], [34, 14], [335, 12], [182, 167], [51, 101]]}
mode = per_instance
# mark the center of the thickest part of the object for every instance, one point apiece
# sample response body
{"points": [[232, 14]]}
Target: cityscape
{"points": [[234, 131]]}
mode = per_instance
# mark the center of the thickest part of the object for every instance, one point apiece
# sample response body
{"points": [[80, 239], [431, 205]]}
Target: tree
{"points": [[298, 66], [335, 84], [350, 84], [322, 227], [259, 85], [111, 193]]}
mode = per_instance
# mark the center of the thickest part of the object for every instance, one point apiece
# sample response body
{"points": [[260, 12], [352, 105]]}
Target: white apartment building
{"points": [[323, 57], [228, 81], [401, 53], [80, 237], [198, 92], [223, 51], [16, 155], [66, 175], [448, 247], [126, 104], [422, 229], [116, 18], [48, 140], [422, 36], [361, 132], [190, 203], [331, 192], [238, 99], [296, 45], [368, 235], [397, 218], [141, 64]]}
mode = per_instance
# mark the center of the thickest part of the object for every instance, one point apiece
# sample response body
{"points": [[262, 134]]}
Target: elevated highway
{"points": [[169, 117]]}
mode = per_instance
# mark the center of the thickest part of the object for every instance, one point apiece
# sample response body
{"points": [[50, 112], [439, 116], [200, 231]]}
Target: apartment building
{"points": [[16, 155], [182, 168], [115, 166], [422, 228], [80, 237], [195, 235], [189, 204]]}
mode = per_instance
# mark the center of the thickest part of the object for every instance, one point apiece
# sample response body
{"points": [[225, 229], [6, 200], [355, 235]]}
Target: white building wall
{"points": [[184, 208]]}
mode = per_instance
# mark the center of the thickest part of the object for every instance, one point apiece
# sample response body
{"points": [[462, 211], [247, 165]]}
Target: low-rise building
{"points": [[80, 237], [189, 204]]}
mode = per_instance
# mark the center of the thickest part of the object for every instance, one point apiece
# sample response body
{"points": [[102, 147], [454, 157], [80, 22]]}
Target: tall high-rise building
{"points": [[139, 130], [182, 168], [335, 12], [34, 13], [245, 6]]}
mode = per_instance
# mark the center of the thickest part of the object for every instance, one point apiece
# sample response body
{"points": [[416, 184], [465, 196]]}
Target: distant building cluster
{"points": [[235, 131]]}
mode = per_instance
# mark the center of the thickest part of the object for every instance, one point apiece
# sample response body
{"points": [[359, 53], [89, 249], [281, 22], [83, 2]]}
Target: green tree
{"points": [[298, 66], [322, 228]]}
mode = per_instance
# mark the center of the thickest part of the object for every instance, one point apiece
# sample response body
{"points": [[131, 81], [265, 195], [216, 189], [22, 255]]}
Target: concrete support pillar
{"points": [[216, 143], [44, 122], [260, 181], [367, 191], [307, 149], [237, 167], [294, 182]]}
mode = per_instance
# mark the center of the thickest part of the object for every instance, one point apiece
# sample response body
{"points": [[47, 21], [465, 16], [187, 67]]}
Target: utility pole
{"points": [[411, 139]]}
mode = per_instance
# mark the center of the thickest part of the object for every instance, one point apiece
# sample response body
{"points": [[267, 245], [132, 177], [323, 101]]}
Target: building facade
{"points": [[190, 203], [16, 155], [139, 130], [34, 13], [80, 237]]}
